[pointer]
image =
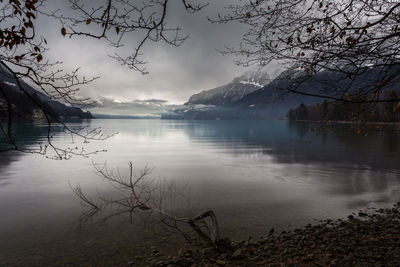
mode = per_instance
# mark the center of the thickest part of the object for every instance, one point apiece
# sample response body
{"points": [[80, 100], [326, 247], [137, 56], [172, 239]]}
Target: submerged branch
{"points": [[138, 193]]}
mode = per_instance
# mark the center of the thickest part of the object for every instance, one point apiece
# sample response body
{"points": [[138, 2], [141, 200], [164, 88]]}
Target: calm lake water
{"points": [[254, 174]]}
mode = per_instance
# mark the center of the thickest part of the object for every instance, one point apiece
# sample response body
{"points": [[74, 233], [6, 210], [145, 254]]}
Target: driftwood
{"points": [[213, 231]]}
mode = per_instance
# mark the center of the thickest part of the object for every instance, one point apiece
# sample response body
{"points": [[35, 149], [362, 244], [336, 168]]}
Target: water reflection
{"points": [[6, 159], [295, 142], [338, 161], [254, 174]]}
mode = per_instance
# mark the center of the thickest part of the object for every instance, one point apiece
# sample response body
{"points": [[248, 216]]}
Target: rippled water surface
{"points": [[254, 174]]}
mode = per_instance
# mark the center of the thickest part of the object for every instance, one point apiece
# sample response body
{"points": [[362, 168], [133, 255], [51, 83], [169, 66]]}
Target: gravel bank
{"points": [[369, 238]]}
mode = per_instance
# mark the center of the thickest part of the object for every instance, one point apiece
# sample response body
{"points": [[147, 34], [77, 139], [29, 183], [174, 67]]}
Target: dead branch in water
{"points": [[138, 193]]}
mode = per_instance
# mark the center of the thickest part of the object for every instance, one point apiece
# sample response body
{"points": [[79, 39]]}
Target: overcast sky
{"points": [[175, 73]]}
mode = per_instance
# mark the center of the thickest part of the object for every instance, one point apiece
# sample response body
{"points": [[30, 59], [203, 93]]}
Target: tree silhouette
{"points": [[23, 54], [344, 38]]}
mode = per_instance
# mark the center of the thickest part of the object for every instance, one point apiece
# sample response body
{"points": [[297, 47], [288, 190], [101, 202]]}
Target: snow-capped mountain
{"points": [[233, 91], [276, 98]]}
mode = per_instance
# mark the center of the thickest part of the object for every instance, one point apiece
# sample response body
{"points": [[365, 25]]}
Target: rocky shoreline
{"points": [[367, 238]]}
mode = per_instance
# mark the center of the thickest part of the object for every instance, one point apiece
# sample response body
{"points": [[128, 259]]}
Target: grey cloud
{"points": [[175, 73], [155, 101]]}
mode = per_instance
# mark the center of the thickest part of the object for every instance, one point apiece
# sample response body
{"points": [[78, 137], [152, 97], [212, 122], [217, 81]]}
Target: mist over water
{"points": [[254, 174]]}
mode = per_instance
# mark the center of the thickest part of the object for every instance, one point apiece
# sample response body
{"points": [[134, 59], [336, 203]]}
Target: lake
{"points": [[255, 175]]}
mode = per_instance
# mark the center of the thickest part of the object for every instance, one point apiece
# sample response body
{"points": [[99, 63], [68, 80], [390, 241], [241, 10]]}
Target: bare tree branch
{"points": [[347, 37], [23, 57], [139, 193]]}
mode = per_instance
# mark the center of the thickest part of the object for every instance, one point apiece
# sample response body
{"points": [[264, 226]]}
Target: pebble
{"points": [[220, 262], [237, 253]]}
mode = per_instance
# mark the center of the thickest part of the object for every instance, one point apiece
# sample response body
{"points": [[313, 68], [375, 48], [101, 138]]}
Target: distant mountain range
{"points": [[116, 107], [24, 108], [245, 98], [253, 95]]}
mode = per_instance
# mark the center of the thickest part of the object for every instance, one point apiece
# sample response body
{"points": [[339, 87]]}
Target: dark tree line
{"points": [[341, 111]]}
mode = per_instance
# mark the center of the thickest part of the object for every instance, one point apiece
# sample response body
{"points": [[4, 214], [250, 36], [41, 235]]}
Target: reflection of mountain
{"points": [[26, 135], [6, 158], [345, 164], [294, 142], [24, 106]]}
